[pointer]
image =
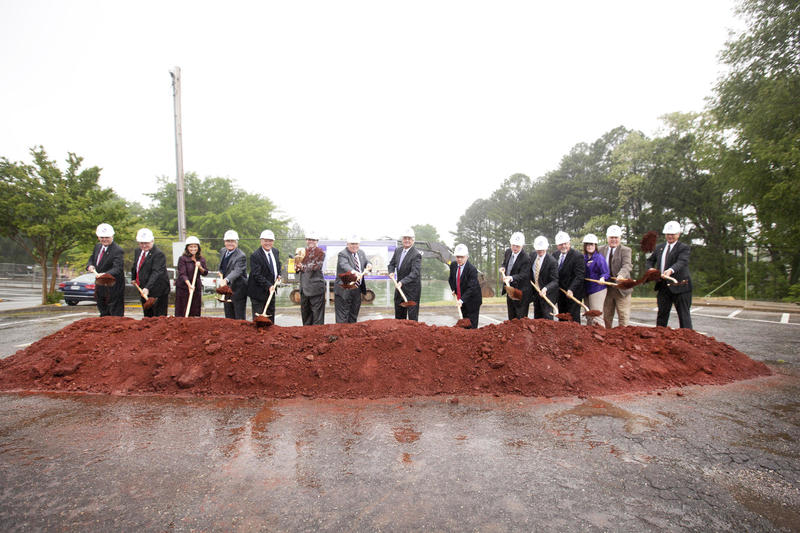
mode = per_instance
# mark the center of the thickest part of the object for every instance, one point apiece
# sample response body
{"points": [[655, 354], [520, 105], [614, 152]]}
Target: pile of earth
{"points": [[377, 358]]}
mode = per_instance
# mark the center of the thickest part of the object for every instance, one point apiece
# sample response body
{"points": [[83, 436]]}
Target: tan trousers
{"points": [[616, 301], [595, 302]]}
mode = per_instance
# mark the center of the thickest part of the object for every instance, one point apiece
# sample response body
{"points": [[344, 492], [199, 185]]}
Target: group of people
{"points": [[549, 283], [566, 277]]}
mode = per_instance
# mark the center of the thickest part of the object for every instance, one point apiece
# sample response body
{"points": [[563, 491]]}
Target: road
{"points": [[694, 459]]}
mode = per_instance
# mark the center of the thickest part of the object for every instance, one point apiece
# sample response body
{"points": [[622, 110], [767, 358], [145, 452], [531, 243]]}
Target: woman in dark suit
{"points": [[187, 263]]}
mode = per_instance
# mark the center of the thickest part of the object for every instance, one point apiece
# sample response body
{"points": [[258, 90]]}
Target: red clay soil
{"points": [[377, 358]]}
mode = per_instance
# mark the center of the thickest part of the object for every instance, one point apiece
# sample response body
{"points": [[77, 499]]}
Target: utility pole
{"points": [[176, 97]]}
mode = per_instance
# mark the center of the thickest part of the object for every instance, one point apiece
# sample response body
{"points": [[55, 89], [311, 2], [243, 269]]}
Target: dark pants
{"points": [[410, 313], [565, 305], [541, 309], [237, 309], [182, 299], [347, 304], [258, 307], [473, 315], [110, 303], [518, 309], [159, 308], [312, 309], [682, 302]]}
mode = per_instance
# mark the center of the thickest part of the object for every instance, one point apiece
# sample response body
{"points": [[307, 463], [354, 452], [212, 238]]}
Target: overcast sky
{"points": [[353, 117]]}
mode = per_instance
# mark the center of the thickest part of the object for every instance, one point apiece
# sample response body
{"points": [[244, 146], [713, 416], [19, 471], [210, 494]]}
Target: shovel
{"points": [[191, 291], [261, 319], [405, 303], [105, 280], [465, 323], [513, 292], [589, 312], [535, 286], [624, 283], [349, 279], [150, 300], [601, 282], [224, 291]]}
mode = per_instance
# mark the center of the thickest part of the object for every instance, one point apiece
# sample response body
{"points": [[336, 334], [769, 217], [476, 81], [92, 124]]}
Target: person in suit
{"points": [[465, 285], [108, 258], [406, 267], [347, 302], [595, 268], [672, 259], [544, 272], [190, 260], [312, 281], [233, 267], [150, 273], [517, 273], [571, 271], [265, 273], [619, 259]]}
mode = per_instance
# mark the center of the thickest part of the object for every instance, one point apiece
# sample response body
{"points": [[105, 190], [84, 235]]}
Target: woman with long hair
{"points": [[187, 263], [596, 268]]}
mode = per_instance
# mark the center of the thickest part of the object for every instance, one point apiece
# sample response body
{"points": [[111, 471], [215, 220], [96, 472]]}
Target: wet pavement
{"points": [[694, 459]]}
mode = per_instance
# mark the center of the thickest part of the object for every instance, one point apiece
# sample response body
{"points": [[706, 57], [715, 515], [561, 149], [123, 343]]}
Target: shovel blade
{"points": [[262, 321], [408, 304], [593, 313], [465, 323]]}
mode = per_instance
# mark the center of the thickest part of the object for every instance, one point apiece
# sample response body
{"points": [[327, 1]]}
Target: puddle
{"points": [[634, 423]]}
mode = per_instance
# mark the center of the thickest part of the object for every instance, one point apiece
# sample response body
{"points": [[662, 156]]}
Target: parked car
{"points": [[81, 289]]}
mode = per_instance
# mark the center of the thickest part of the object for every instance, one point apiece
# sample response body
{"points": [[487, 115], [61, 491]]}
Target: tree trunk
{"points": [[54, 275], [43, 264]]}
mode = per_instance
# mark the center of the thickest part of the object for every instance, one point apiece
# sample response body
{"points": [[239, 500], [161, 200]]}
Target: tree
{"points": [[759, 101], [214, 205], [431, 268], [47, 212]]}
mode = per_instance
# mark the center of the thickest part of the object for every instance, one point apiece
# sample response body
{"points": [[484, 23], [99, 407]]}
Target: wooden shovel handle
{"points": [[601, 282], [269, 298], [575, 300], [546, 299], [191, 291], [669, 278], [399, 289], [141, 293]]}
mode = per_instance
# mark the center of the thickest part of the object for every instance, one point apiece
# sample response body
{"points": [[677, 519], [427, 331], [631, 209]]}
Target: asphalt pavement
{"points": [[691, 459]]}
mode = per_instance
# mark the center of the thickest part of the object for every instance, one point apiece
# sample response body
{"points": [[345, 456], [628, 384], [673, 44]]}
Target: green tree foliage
{"points": [[431, 268], [759, 100], [47, 211], [214, 205]]}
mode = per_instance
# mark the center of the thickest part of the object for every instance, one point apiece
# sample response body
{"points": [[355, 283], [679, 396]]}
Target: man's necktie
{"points": [[139, 265], [561, 260], [224, 264], [358, 267], [458, 284], [610, 257], [664, 257], [271, 266], [536, 270], [511, 261], [100, 255]]}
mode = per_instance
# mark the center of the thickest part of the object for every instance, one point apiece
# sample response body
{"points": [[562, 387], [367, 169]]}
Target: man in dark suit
{"points": [[150, 273], [347, 302], [233, 267], [544, 272], [672, 259], [618, 256], [571, 271], [312, 282], [517, 269], [265, 272], [406, 267], [465, 285], [108, 258]]}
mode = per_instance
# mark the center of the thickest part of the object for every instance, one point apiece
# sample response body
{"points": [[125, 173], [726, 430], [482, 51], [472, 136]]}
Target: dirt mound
{"points": [[378, 358]]}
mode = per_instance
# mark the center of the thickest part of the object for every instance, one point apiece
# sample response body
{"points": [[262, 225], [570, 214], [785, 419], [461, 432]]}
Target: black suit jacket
{"points": [[153, 272], [410, 271], [261, 274], [548, 275], [520, 271], [678, 261], [235, 269], [112, 262], [571, 273], [470, 286]]}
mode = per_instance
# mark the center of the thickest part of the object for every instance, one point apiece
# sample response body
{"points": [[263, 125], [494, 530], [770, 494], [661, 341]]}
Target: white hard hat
{"points": [[267, 234], [672, 227], [614, 231], [104, 230], [312, 234], [562, 237], [408, 233], [540, 243], [461, 250], [517, 239], [353, 239], [231, 235], [192, 240], [590, 238], [144, 235]]}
